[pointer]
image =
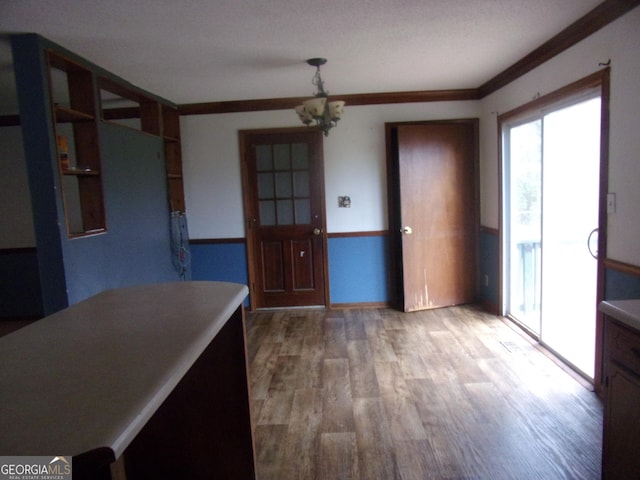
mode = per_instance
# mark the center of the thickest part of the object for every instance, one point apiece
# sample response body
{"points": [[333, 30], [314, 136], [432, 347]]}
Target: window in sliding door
{"points": [[570, 185], [524, 222]]}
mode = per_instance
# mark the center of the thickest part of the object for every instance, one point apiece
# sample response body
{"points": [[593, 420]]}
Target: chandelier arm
{"points": [[306, 111]]}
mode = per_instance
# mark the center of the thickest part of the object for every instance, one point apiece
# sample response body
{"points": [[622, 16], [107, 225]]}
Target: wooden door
{"points": [[284, 204], [436, 212]]}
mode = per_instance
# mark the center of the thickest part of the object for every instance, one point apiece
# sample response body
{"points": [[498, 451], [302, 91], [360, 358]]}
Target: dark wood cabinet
{"points": [[621, 438]]}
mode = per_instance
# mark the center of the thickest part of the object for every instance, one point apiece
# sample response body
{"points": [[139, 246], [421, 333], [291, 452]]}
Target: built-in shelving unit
{"points": [[173, 157], [81, 98], [72, 89]]}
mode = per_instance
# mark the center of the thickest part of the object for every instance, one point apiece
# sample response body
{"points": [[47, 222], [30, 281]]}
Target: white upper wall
{"points": [[620, 42], [354, 162]]}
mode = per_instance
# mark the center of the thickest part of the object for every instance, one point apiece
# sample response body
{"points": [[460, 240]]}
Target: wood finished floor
{"points": [[377, 394]]}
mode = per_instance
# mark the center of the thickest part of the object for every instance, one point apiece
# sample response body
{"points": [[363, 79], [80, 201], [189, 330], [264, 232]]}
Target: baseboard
{"points": [[349, 306]]}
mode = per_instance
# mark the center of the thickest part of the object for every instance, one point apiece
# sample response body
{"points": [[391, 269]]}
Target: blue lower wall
{"points": [[621, 286], [489, 268], [225, 262], [358, 267]]}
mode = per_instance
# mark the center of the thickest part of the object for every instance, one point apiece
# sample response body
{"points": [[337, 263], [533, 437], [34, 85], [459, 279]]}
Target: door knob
{"points": [[317, 231], [407, 230]]}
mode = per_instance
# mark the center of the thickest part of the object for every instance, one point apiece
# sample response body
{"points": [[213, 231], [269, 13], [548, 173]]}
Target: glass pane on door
{"points": [[524, 223], [283, 183], [570, 215]]}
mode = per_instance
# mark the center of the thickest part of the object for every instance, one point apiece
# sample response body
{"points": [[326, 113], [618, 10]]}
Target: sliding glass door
{"points": [[551, 198]]}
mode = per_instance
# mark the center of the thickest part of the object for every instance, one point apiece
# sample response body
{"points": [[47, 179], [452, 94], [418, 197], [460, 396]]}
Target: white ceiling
{"points": [[190, 51]]}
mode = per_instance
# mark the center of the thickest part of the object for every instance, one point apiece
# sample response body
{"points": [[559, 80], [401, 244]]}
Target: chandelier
{"points": [[325, 114]]}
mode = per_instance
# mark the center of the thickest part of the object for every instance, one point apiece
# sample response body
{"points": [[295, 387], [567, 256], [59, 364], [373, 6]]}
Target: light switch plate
{"points": [[344, 202]]}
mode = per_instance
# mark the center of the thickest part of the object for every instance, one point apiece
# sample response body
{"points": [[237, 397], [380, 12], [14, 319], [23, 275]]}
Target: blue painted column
{"points": [[36, 119]]}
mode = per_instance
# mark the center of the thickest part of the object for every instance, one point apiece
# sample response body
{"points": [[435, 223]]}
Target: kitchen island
{"points": [[141, 382]]}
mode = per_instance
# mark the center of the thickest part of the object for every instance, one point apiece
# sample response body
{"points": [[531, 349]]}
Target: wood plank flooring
{"points": [[376, 394]]}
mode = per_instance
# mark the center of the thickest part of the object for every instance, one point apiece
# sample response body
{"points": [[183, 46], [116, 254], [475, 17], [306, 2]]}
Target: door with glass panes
{"points": [[284, 208]]}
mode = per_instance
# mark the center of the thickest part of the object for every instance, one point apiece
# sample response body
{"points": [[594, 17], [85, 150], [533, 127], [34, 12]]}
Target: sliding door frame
{"points": [[599, 80]]}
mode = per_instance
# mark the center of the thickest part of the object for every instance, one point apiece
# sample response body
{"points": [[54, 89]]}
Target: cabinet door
{"points": [[620, 456]]}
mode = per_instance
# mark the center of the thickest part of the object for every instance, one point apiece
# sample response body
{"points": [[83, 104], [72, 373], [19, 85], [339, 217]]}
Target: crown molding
{"points": [[582, 28]]}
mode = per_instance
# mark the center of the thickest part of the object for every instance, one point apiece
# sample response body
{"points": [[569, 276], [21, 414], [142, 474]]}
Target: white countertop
{"points": [[93, 374], [625, 311]]}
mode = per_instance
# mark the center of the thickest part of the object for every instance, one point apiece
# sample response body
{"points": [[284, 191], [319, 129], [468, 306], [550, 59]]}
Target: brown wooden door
{"points": [[437, 213], [284, 203]]}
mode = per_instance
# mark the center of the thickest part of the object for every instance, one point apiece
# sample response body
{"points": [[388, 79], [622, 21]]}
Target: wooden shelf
{"points": [[80, 172], [66, 114], [88, 233], [127, 106]]}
